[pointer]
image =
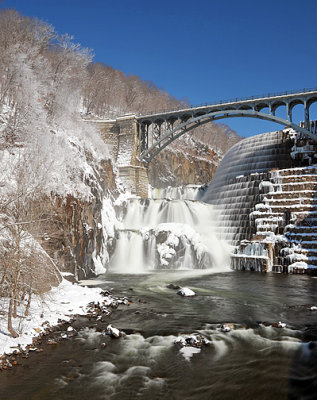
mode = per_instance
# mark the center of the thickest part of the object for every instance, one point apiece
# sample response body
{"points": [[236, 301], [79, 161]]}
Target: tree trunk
{"points": [[10, 327], [27, 308]]}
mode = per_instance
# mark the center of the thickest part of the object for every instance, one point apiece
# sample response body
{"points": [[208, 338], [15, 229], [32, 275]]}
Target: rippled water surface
{"points": [[252, 361]]}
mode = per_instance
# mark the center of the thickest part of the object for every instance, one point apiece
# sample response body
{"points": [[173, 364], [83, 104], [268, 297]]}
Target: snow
{"points": [[108, 223], [297, 264], [188, 351], [123, 198], [186, 292], [99, 268], [262, 206], [268, 186], [301, 265], [61, 302], [114, 332], [175, 232]]}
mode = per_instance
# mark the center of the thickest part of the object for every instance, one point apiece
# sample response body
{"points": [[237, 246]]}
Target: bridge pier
{"points": [[289, 112], [307, 120], [121, 135]]}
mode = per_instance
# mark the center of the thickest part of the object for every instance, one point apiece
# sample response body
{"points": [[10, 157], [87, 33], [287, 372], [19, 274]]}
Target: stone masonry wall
{"points": [[122, 137]]}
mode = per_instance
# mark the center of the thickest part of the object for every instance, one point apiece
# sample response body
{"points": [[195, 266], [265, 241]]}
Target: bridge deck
{"points": [[281, 97]]}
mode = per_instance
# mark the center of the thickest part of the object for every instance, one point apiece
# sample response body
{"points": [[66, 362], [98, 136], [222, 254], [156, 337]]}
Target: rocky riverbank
{"points": [[53, 319]]}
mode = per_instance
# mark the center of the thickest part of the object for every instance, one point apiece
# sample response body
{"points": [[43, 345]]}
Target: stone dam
{"points": [[264, 192]]}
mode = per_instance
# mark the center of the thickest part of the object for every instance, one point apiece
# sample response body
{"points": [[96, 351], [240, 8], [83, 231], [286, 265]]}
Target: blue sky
{"points": [[200, 50]]}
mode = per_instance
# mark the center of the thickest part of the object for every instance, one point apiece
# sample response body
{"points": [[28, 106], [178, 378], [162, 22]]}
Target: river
{"points": [[252, 361], [259, 332]]}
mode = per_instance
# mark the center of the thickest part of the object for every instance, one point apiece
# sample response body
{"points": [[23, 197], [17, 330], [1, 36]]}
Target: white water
{"points": [[168, 234], [188, 192]]}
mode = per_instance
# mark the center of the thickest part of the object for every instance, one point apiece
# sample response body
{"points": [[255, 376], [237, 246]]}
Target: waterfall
{"points": [[188, 192], [171, 232], [236, 186]]}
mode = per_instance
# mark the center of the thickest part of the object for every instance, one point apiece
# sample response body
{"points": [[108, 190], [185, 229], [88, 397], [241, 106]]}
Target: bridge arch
{"points": [[260, 106], [245, 107], [193, 122], [311, 100]]}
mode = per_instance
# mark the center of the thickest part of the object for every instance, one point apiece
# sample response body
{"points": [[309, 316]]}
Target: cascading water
{"points": [[188, 192], [167, 233], [235, 187]]}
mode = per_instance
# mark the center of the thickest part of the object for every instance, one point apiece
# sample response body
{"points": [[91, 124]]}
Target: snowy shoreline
{"points": [[63, 302]]}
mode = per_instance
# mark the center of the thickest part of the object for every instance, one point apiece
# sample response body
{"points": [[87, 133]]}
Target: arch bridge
{"points": [[157, 130]]}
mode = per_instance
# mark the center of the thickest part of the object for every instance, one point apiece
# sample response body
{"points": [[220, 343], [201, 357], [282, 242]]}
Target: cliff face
{"points": [[194, 164], [72, 233]]}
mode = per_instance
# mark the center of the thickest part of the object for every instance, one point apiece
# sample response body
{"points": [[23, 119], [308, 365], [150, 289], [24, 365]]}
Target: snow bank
{"points": [[61, 302]]}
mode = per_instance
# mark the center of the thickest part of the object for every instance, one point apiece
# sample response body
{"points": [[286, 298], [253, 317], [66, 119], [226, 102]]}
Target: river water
{"points": [[252, 361], [170, 239]]}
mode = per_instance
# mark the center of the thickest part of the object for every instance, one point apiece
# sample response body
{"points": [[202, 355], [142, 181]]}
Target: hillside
{"points": [[58, 181]]}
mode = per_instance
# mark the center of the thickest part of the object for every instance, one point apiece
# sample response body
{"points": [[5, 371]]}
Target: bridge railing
{"points": [[234, 100]]}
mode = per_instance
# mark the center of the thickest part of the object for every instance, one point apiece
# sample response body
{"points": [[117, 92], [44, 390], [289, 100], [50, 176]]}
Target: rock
{"points": [[113, 332], [124, 301], [226, 327], [191, 340], [71, 332], [51, 341], [172, 286], [279, 325], [180, 341], [186, 292], [114, 304], [105, 293]]}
